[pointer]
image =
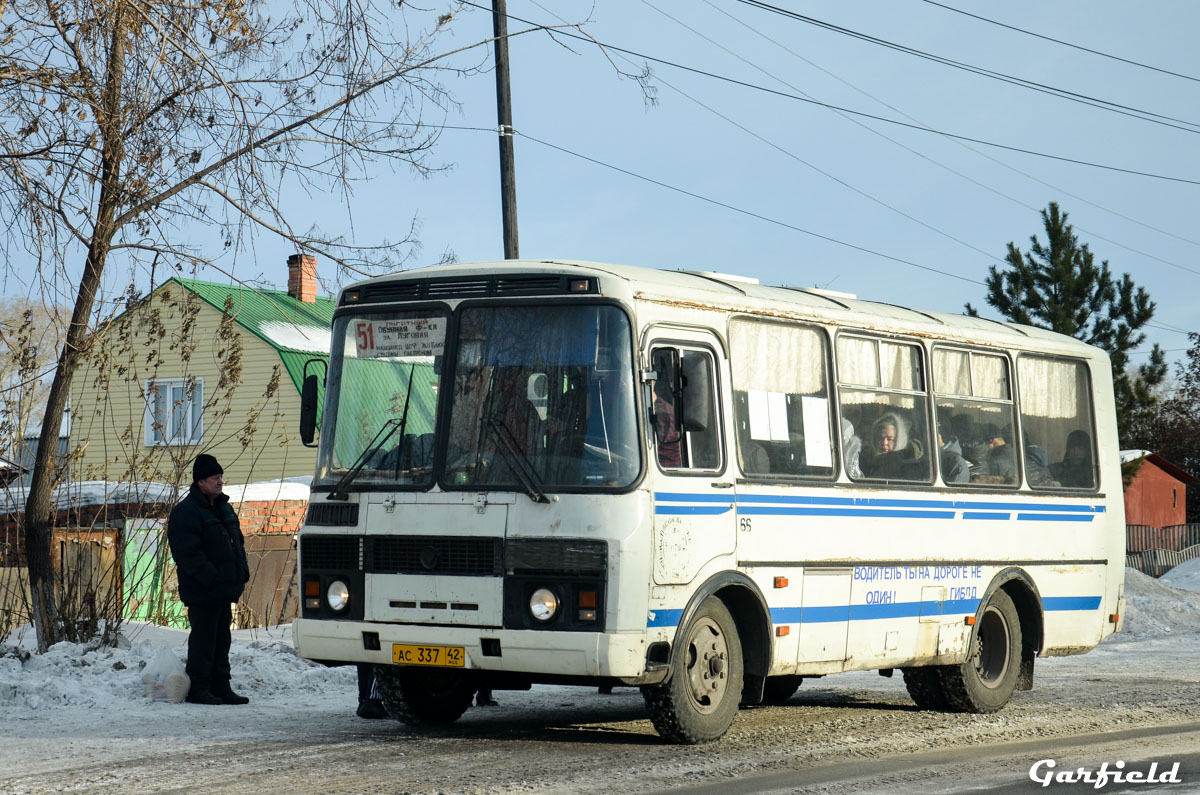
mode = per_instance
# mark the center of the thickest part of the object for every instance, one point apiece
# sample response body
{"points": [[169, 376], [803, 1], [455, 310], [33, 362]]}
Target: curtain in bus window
{"points": [[781, 399], [900, 366], [952, 372], [1056, 413], [989, 377], [857, 361]]}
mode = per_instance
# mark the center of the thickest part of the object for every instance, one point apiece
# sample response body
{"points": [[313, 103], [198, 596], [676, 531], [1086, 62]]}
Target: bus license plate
{"points": [[413, 654]]}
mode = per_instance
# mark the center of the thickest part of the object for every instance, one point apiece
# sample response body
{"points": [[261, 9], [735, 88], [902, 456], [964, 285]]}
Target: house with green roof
{"points": [[195, 367]]}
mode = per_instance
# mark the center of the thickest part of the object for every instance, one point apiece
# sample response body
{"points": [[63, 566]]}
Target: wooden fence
{"points": [[1157, 550]]}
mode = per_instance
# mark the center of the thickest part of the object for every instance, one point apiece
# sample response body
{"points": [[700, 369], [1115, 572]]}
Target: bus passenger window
{"points": [[881, 393], [975, 419], [781, 406], [1056, 410]]}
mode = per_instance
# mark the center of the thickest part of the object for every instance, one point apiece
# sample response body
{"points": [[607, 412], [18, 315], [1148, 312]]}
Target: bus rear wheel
{"points": [[700, 700], [423, 696], [780, 688], [986, 680], [924, 685]]}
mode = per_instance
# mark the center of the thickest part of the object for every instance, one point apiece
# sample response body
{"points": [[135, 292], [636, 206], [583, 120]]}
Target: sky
{"points": [[753, 170]]}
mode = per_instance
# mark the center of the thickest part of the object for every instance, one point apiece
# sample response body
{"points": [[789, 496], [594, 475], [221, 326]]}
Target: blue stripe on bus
{"points": [[701, 510], [670, 496], [1057, 603], [1051, 518], [830, 614], [675, 504], [820, 511]]}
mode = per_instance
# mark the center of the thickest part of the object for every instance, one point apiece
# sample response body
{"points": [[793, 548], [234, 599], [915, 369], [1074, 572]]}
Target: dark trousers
{"points": [[366, 681], [208, 646]]}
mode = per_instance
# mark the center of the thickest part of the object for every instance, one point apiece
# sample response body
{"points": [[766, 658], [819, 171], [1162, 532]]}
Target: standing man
{"points": [[210, 557]]}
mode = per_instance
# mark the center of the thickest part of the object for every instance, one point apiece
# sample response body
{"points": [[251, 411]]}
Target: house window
{"points": [[174, 411]]}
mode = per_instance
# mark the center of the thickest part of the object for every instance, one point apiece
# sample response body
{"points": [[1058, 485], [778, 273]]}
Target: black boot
{"points": [[201, 696], [371, 709], [225, 695]]}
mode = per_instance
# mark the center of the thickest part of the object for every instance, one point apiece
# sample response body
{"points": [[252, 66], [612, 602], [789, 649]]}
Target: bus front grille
{"points": [[462, 556], [333, 514], [330, 552]]}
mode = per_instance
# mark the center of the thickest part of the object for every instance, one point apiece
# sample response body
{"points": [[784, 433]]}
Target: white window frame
{"points": [[161, 389]]}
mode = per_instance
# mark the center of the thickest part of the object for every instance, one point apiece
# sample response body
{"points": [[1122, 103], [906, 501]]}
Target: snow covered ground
{"points": [[78, 699]]}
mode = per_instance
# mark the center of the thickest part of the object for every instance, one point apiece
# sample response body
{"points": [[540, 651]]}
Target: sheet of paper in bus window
{"points": [[768, 415], [817, 452]]}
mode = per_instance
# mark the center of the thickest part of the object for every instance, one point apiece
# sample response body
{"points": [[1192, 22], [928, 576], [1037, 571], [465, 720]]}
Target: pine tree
{"points": [[1058, 286]]}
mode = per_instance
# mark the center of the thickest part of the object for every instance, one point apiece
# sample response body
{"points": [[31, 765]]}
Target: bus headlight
{"points": [[543, 605], [337, 595]]}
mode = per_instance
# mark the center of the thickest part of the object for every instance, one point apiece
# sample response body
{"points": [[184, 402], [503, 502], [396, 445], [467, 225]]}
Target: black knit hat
{"points": [[205, 466]]}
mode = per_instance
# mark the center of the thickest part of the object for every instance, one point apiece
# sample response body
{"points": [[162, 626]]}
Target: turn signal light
{"points": [[970, 621], [312, 588], [783, 632], [1114, 618], [781, 582]]}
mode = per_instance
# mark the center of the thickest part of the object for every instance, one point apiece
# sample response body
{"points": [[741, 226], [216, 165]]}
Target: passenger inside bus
{"points": [[894, 454], [667, 433], [1000, 464], [955, 468], [1075, 469], [851, 450]]}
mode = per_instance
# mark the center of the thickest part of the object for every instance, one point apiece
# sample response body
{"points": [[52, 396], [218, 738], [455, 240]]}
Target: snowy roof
{"points": [[101, 492]]}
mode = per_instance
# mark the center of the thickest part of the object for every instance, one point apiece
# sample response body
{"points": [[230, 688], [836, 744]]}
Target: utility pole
{"points": [[508, 176]]}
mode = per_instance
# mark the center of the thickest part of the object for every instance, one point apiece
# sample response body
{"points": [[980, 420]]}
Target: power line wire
{"points": [[1063, 43], [786, 95], [742, 211], [1114, 107], [794, 156], [972, 149]]}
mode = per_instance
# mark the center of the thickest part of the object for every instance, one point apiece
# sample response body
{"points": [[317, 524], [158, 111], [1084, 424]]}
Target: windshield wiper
{"points": [[387, 431], [521, 466]]}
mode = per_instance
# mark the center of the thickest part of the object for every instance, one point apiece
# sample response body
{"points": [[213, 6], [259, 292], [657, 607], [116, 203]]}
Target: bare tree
{"points": [[124, 123]]}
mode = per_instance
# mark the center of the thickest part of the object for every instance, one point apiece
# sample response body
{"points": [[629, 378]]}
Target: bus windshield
{"points": [[543, 399], [381, 399]]}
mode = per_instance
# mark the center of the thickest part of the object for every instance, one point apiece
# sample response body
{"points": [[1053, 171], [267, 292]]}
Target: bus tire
{"points": [[700, 700], [985, 681], [423, 696], [780, 688], [924, 685]]}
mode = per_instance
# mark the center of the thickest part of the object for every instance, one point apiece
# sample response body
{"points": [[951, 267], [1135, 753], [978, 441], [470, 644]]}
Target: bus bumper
{"points": [[540, 652]]}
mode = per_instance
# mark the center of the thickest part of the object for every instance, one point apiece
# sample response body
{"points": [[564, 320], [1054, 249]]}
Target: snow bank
{"points": [[79, 677], [71, 679], [1157, 608]]}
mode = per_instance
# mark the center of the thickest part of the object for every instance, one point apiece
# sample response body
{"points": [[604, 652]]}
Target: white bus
{"points": [[577, 473]]}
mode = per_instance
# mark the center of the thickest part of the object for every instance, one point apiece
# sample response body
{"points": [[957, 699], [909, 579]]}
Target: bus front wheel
{"points": [[986, 680], [423, 696], [700, 700]]}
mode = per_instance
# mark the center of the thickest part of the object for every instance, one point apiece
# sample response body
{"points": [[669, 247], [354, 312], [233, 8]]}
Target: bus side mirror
{"points": [[308, 410], [697, 393]]}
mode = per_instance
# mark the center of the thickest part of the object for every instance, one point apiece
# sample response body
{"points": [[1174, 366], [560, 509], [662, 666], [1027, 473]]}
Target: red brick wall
{"points": [[274, 517]]}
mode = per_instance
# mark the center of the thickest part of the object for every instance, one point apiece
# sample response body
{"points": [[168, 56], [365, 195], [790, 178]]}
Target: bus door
{"points": [[693, 492]]}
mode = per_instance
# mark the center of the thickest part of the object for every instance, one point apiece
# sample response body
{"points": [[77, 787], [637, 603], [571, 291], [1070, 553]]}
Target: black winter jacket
{"points": [[208, 548]]}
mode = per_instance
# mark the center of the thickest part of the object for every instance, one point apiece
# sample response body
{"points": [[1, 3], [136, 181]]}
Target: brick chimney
{"points": [[302, 278]]}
